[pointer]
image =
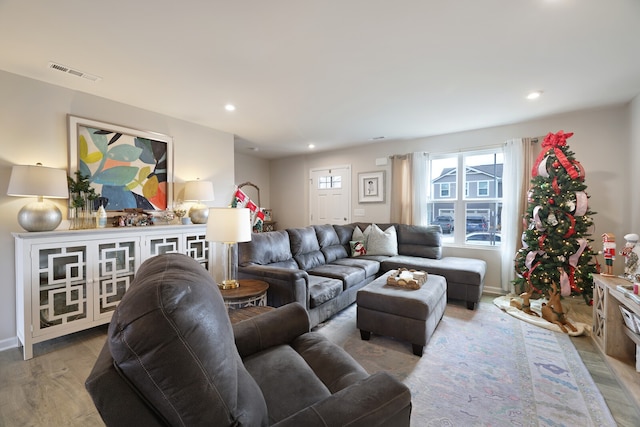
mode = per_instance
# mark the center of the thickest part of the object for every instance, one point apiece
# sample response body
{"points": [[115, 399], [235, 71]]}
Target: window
{"points": [[477, 213], [325, 182], [444, 190], [483, 188]]}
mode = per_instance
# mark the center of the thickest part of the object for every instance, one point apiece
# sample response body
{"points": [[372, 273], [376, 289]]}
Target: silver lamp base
{"points": [[39, 216], [199, 214]]}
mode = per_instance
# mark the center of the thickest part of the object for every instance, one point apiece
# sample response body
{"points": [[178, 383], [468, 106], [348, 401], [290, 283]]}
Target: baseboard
{"points": [[8, 343], [494, 291]]}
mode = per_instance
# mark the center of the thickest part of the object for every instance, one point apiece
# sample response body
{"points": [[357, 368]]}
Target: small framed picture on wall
{"points": [[371, 187]]}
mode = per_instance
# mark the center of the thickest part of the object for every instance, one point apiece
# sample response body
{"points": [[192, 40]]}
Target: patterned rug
{"points": [[483, 368]]}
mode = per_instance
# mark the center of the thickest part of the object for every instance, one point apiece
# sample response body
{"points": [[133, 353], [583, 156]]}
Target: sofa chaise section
{"points": [[420, 248]]}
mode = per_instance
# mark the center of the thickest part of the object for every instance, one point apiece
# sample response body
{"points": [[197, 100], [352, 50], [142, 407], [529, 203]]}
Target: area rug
{"points": [[483, 368]]}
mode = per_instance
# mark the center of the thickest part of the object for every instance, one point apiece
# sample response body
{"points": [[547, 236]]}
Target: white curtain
{"points": [[516, 178], [409, 188]]}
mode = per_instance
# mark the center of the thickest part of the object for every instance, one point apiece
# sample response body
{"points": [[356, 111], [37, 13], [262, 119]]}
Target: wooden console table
{"points": [[612, 337]]}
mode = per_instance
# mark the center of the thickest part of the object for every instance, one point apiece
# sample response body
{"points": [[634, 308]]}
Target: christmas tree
{"points": [[556, 256]]}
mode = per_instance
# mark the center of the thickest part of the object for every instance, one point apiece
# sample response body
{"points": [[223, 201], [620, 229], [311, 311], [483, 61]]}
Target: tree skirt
{"points": [[504, 303]]}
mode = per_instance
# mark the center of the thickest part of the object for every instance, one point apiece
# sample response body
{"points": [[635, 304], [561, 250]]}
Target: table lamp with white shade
{"points": [[229, 226], [198, 191], [38, 181]]}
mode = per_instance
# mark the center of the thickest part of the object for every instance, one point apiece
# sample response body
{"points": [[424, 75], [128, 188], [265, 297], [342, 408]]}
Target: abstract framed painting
{"points": [[130, 168]]}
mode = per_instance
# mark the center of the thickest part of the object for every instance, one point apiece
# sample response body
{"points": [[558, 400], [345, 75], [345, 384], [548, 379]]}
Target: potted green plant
{"points": [[82, 197]]}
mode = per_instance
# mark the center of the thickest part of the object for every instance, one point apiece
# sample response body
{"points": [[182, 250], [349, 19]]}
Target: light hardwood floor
{"points": [[48, 390]]}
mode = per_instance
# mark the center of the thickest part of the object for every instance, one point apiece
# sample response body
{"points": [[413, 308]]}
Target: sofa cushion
{"points": [[335, 368], [420, 241], [329, 243], [344, 232], [369, 266], [173, 319], [350, 276], [267, 248], [305, 247], [286, 380], [323, 289], [382, 242]]}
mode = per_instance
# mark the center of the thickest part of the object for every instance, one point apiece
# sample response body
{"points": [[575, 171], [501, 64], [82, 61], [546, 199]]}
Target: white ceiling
{"points": [[333, 72]]}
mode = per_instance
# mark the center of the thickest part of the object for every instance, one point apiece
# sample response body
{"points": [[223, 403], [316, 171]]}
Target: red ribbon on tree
{"points": [[554, 142], [555, 186], [572, 226]]}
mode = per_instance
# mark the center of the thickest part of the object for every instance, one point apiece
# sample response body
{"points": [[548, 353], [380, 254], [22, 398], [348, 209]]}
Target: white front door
{"points": [[330, 195]]}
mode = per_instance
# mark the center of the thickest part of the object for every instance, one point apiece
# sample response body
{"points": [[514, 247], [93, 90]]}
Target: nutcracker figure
{"points": [[609, 252]]}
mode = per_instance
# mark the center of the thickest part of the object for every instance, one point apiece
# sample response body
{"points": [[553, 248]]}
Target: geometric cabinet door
{"points": [[73, 287], [116, 265], [60, 293]]}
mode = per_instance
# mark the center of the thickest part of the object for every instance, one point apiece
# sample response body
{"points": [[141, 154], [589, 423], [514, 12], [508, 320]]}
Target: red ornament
{"points": [[551, 202]]}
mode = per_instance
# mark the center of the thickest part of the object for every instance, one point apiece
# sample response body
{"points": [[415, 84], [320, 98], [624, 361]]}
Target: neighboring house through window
{"points": [[479, 209]]}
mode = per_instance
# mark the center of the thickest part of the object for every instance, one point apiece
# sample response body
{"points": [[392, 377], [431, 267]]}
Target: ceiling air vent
{"points": [[74, 72]]}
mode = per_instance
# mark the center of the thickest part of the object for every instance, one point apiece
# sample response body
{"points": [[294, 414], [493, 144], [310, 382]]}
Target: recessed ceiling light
{"points": [[534, 95], [311, 146], [230, 107]]}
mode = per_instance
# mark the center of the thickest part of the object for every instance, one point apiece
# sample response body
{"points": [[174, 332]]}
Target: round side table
{"points": [[250, 293]]}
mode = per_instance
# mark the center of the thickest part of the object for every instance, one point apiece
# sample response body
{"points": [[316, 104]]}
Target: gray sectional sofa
{"points": [[314, 267]]}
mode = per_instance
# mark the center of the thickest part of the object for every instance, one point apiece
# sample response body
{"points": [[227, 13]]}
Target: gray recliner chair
{"points": [[173, 358]]}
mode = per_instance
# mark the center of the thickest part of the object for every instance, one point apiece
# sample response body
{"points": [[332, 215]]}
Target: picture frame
{"points": [[129, 168], [371, 187]]}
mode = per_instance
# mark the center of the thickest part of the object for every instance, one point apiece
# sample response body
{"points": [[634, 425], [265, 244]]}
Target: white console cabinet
{"points": [[67, 281]]}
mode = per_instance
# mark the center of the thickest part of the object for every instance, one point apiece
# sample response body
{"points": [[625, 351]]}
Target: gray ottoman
{"points": [[410, 315]]}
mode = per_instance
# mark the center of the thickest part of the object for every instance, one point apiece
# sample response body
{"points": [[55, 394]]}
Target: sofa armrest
{"points": [[286, 285], [379, 400], [280, 326]]}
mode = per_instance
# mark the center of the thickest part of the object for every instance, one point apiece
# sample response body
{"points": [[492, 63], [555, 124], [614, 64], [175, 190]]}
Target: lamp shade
{"points": [[198, 190], [229, 225], [38, 180]]}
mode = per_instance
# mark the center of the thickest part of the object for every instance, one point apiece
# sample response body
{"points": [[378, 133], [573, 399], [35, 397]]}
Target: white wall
{"points": [[601, 142], [634, 159], [33, 128]]}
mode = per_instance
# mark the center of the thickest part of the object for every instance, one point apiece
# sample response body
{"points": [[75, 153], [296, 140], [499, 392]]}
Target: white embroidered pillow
{"points": [[382, 242]]}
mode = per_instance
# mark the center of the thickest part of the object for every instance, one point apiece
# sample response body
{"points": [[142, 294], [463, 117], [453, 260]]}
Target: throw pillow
{"points": [[363, 236], [357, 248], [382, 242]]}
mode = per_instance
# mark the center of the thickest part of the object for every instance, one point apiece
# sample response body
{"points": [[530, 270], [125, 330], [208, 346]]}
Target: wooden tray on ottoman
{"points": [[410, 279]]}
